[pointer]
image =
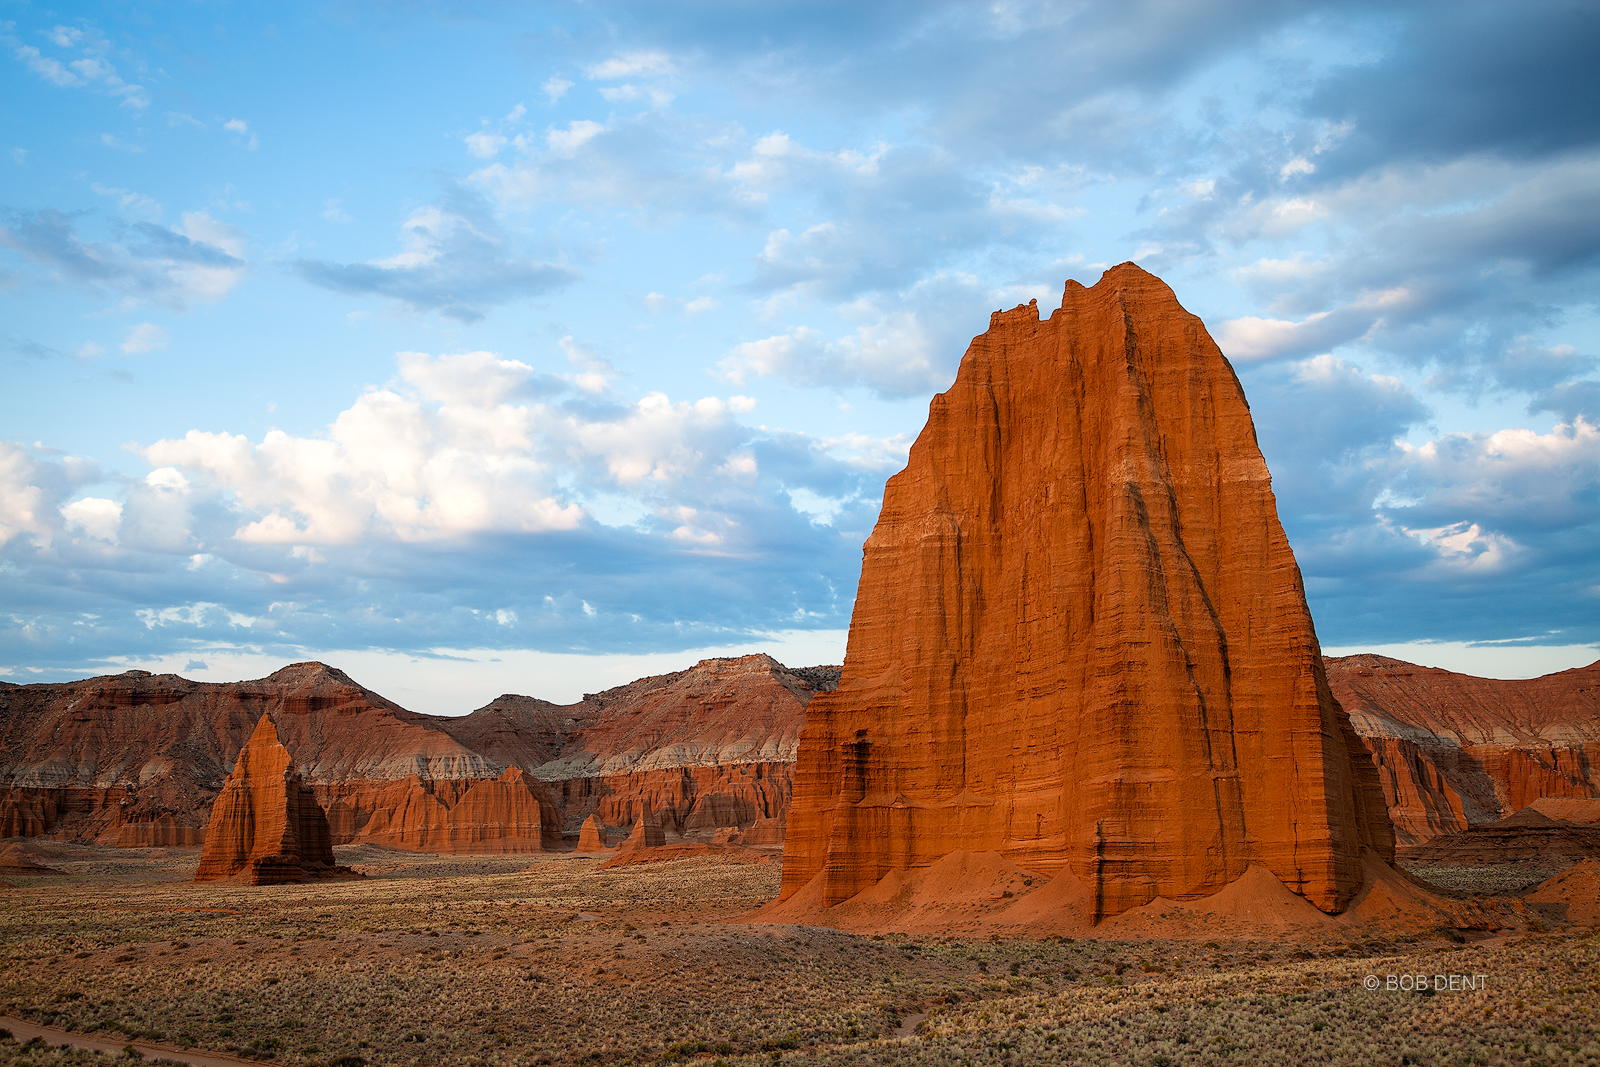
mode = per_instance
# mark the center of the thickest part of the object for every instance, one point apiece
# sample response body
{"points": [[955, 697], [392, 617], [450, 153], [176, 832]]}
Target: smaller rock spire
{"points": [[266, 825]]}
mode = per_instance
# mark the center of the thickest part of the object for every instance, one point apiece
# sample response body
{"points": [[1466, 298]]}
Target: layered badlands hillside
{"points": [[1455, 751], [137, 759], [1081, 640], [710, 747]]}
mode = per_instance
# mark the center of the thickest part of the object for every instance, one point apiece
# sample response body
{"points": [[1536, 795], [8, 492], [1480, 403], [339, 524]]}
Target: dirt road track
{"points": [[24, 1031]]}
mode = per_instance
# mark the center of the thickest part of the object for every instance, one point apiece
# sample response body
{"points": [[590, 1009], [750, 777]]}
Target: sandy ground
{"points": [[552, 960]]}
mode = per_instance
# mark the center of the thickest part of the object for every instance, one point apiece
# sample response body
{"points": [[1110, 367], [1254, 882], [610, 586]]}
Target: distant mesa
{"points": [[707, 748], [266, 826], [1081, 643]]}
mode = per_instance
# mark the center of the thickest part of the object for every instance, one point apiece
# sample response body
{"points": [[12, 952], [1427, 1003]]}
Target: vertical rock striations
{"points": [[266, 826], [1080, 637], [511, 813]]}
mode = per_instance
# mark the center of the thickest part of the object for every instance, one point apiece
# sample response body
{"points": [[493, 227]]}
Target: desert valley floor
{"points": [[551, 959]]}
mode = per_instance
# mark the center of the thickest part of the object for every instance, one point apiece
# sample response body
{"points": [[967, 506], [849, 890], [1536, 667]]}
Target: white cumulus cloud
{"points": [[95, 516]]}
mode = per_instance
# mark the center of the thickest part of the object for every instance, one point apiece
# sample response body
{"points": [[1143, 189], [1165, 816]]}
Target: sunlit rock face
{"points": [[1081, 639], [592, 836]]}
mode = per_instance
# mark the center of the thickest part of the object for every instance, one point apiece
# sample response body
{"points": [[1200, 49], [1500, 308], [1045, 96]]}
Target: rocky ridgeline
{"points": [[139, 759]]}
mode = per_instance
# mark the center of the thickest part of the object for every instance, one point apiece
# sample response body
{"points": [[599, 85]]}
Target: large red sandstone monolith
{"points": [[266, 826], [1081, 638]]}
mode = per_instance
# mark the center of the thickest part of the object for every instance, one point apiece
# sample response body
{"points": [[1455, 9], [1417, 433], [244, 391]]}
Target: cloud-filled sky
{"points": [[528, 347]]}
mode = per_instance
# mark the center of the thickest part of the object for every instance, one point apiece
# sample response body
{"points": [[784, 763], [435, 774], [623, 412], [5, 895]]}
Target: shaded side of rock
{"points": [[647, 832]]}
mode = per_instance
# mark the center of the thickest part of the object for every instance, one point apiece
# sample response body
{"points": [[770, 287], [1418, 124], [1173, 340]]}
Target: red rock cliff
{"points": [[511, 813], [1080, 637], [1455, 751], [708, 747]]}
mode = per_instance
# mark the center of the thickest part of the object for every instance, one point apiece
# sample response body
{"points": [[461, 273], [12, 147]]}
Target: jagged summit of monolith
{"points": [[1081, 639]]}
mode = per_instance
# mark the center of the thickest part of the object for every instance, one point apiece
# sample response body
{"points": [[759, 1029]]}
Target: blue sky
{"points": [[480, 347]]}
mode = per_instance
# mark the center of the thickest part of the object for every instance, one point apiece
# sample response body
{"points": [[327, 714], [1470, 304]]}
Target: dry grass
{"points": [[1488, 880], [547, 960]]}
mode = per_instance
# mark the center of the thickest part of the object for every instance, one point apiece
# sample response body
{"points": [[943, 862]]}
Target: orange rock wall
{"points": [[1524, 774], [1080, 637], [764, 833], [512, 813], [1422, 801], [685, 799], [29, 812], [160, 830], [90, 814]]}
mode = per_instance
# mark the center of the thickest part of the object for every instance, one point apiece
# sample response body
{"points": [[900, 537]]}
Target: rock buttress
{"points": [[647, 832], [592, 836], [1081, 638]]}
